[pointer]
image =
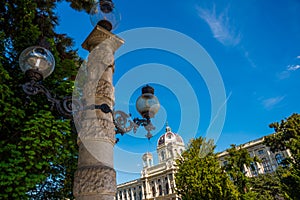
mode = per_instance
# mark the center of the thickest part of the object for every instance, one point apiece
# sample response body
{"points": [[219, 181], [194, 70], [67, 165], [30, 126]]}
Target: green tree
{"points": [[199, 175], [287, 136], [239, 158], [267, 187], [38, 152]]}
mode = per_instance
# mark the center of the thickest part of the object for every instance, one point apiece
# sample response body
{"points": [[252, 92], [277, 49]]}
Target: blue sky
{"points": [[255, 48]]}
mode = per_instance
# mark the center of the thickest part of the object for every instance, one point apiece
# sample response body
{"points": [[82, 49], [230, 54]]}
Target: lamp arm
{"points": [[68, 105], [64, 106]]}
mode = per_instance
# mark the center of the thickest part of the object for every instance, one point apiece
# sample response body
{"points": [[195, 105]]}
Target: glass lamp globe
{"points": [[147, 104], [37, 59], [105, 15]]}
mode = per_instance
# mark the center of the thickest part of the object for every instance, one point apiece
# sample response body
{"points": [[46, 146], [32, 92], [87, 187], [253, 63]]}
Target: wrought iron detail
{"points": [[64, 107], [123, 123], [67, 106]]}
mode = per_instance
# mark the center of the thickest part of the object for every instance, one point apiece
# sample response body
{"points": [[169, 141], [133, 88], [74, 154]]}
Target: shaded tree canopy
{"points": [[38, 152]]}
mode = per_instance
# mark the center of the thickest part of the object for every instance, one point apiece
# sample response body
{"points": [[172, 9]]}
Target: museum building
{"points": [[158, 181]]}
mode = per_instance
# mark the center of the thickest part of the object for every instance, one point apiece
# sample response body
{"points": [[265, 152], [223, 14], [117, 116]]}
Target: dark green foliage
{"points": [[287, 136], [238, 159], [267, 187], [200, 176], [81, 5], [38, 151]]}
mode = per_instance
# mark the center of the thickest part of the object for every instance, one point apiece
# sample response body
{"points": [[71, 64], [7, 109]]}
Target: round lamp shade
{"points": [[38, 59], [147, 104], [105, 15]]}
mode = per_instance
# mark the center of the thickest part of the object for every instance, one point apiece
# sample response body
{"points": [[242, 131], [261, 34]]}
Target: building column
{"points": [[169, 183], [156, 188], [95, 177], [123, 195], [131, 193], [148, 190]]}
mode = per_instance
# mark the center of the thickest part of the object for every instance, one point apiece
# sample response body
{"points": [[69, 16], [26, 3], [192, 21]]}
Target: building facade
{"points": [[158, 181], [269, 161]]}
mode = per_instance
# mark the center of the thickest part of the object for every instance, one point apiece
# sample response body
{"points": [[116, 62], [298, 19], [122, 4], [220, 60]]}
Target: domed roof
{"points": [[147, 155], [169, 137]]}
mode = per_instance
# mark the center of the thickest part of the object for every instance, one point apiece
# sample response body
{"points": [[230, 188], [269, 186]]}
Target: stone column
{"points": [[95, 177], [156, 188], [142, 187], [169, 184]]}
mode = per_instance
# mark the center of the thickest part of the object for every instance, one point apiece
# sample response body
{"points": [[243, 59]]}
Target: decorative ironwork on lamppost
{"points": [[38, 63]]}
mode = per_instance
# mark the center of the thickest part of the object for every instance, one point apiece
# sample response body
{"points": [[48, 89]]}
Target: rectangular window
{"points": [[260, 152], [253, 168], [266, 165]]}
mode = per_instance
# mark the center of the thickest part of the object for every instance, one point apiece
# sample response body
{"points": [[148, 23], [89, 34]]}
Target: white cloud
{"points": [[271, 102], [284, 75], [289, 70], [298, 57], [293, 67], [219, 25]]}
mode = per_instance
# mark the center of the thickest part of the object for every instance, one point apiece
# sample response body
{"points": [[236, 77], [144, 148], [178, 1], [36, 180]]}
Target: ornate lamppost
{"points": [[98, 123]]}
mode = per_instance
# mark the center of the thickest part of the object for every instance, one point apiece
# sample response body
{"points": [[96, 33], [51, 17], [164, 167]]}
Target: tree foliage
{"points": [[287, 136], [238, 159], [200, 176], [267, 187], [38, 152]]}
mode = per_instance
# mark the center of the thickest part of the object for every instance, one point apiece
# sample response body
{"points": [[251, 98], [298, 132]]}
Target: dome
{"points": [[147, 155], [169, 137]]}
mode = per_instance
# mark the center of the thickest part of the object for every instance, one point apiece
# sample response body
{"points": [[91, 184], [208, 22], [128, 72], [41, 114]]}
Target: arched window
{"points": [[160, 190], [153, 191], [162, 155], [167, 188]]}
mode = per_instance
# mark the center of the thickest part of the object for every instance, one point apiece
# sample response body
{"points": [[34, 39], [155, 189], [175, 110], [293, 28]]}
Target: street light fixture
{"points": [[38, 63], [95, 177]]}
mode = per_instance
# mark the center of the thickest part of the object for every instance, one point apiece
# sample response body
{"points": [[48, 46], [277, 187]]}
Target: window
{"points": [[225, 163], [140, 195], [153, 191], [253, 168], [266, 165], [279, 159], [160, 190], [260, 152], [150, 162], [167, 188], [162, 155]]}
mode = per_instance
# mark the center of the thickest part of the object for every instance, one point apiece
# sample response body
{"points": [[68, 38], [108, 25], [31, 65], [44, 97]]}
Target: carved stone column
{"points": [[95, 177]]}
